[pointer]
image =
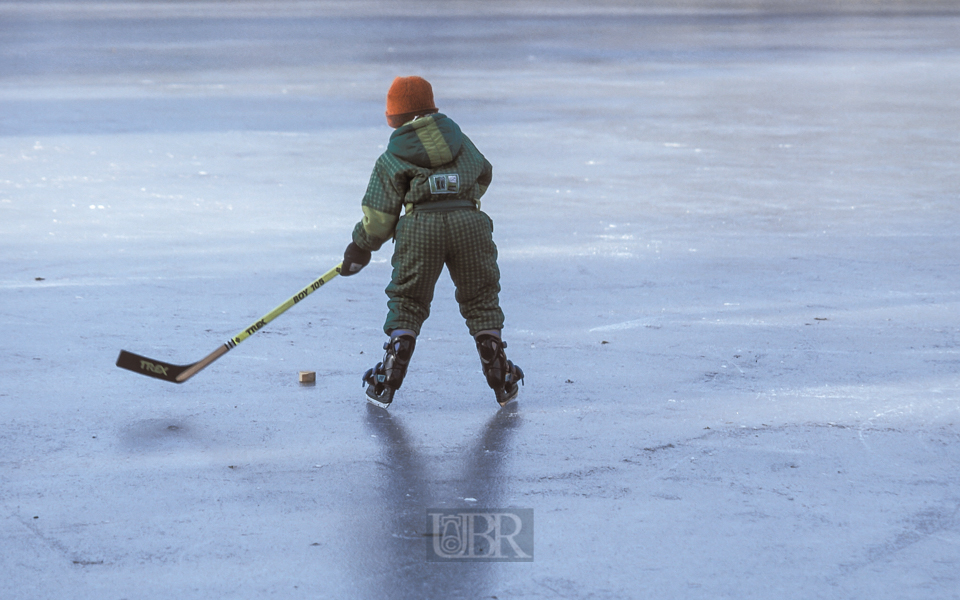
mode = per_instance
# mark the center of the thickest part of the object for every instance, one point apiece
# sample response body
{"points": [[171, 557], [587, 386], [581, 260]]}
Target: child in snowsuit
{"points": [[434, 174]]}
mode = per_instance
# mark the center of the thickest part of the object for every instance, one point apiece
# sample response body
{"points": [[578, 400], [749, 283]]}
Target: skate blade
{"points": [[509, 398], [378, 403], [383, 400]]}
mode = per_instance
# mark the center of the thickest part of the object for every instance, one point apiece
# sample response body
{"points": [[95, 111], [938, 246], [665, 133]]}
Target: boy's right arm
{"points": [[486, 176]]}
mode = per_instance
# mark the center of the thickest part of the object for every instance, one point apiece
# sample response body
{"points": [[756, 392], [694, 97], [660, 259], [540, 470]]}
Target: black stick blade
{"points": [[150, 367]]}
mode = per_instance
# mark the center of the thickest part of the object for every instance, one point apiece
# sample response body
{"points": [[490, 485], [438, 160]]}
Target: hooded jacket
{"points": [[427, 160]]}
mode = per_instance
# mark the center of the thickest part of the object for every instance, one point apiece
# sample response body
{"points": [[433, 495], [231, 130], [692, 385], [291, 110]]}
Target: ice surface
{"points": [[729, 242]]}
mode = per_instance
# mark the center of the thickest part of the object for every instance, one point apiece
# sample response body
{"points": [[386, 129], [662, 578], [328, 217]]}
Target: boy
{"points": [[434, 173]]}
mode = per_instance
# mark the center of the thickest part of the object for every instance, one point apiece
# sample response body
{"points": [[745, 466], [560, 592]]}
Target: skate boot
{"points": [[385, 379], [502, 375]]}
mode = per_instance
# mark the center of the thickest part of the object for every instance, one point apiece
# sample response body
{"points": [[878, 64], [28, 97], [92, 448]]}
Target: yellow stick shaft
{"points": [[258, 325], [273, 314]]}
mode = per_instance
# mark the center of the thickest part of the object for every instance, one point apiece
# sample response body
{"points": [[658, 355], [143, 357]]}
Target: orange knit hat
{"points": [[407, 98]]}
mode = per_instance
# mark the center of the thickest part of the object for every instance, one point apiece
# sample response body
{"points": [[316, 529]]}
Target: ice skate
{"points": [[502, 375], [386, 378]]}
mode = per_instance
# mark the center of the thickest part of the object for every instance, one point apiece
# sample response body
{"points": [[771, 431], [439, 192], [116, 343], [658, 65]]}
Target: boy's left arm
{"points": [[381, 205]]}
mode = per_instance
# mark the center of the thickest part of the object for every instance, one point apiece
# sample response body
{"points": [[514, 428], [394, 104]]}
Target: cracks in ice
{"points": [[56, 545], [919, 527]]}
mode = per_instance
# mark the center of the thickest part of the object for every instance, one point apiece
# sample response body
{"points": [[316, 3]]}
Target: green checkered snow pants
{"points": [[425, 242]]}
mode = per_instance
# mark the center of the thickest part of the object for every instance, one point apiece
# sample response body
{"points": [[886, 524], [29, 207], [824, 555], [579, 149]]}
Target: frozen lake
{"points": [[730, 248]]}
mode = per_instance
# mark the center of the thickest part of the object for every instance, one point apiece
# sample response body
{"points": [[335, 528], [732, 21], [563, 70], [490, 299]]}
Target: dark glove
{"points": [[354, 259]]}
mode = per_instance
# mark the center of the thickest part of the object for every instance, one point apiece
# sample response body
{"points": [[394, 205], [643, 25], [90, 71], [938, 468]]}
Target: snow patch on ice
{"points": [[624, 325]]}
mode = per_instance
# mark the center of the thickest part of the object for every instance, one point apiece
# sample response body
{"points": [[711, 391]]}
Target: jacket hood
{"points": [[429, 142]]}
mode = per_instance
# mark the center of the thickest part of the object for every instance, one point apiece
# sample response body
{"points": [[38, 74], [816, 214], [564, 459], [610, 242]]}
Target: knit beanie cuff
{"points": [[396, 121]]}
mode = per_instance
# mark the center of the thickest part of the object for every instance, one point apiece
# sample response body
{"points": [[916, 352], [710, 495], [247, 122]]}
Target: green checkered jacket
{"points": [[427, 160]]}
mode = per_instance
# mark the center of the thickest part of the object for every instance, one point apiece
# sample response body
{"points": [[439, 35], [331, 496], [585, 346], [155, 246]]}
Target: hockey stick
{"points": [[180, 373]]}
